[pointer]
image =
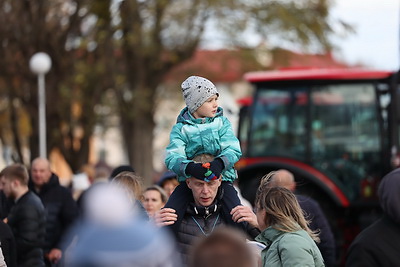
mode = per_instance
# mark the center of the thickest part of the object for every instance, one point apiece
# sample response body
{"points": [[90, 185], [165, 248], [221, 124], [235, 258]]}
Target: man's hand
{"points": [[54, 255], [244, 214], [165, 217]]}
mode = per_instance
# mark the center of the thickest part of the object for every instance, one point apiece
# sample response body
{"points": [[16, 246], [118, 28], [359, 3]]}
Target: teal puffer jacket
{"points": [[289, 249], [190, 137]]}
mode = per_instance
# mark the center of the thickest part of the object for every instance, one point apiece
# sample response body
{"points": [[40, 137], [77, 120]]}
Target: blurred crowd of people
{"points": [[116, 221], [44, 223], [193, 216]]}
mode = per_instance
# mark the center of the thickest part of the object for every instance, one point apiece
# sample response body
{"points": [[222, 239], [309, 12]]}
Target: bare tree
{"points": [[62, 29], [127, 45], [158, 35]]}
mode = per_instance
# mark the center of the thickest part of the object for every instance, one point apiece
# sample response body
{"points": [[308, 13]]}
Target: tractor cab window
{"points": [[335, 127], [279, 124]]}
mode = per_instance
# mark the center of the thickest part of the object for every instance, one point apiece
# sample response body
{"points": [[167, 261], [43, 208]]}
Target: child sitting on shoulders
{"points": [[201, 128]]}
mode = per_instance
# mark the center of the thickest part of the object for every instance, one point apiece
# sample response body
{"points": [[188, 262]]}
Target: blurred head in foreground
{"points": [[114, 235], [224, 247], [131, 182]]}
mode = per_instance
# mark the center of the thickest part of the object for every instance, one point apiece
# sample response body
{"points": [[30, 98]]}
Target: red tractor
{"points": [[337, 130]]}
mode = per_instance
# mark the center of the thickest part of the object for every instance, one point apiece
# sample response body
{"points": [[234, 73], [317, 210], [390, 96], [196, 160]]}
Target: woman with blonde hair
{"points": [[133, 185], [285, 232], [154, 199]]}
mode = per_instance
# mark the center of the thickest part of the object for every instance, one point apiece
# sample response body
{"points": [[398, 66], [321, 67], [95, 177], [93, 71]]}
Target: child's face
{"points": [[208, 109]]}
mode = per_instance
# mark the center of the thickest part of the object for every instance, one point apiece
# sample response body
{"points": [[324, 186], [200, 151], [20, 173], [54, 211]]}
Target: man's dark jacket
{"points": [[378, 245], [198, 219], [318, 221], [61, 211], [8, 246], [5, 205], [28, 224]]}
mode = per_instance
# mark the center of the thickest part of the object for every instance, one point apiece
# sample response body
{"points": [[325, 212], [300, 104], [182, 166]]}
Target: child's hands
{"points": [[216, 166], [196, 170]]}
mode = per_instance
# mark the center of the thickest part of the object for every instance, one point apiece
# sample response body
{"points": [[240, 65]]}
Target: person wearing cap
{"points": [[204, 213], [168, 182], [114, 234], [201, 128], [378, 244], [119, 169]]}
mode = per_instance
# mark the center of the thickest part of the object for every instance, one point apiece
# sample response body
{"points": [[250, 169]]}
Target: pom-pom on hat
{"points": [[196, 90]]}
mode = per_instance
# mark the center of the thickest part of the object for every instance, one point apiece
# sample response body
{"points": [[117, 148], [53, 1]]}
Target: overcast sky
{"points": [[376, 41]]}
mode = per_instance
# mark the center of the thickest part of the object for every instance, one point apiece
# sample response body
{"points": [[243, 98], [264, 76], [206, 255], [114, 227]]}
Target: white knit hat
{"points": [[196, 90]]}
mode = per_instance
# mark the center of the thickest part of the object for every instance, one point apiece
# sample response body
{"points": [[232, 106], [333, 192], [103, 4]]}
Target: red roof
{"points": [[286, 58], [217, 65], [230, 65]]}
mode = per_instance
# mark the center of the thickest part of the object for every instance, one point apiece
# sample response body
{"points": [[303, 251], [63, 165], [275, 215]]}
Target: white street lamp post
{"points": [[40, 64]]}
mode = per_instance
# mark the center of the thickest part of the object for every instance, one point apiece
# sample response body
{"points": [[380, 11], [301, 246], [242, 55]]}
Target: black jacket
{"points": [[200, 221], [5, 205], [8, 245], [378, 245], [61, 211], [196, 223], [27, 221], [318, 221]]}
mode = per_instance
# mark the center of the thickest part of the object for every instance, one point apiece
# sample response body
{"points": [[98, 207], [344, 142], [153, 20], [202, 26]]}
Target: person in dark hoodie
{"points": [[378, 245], [61, 208]]}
